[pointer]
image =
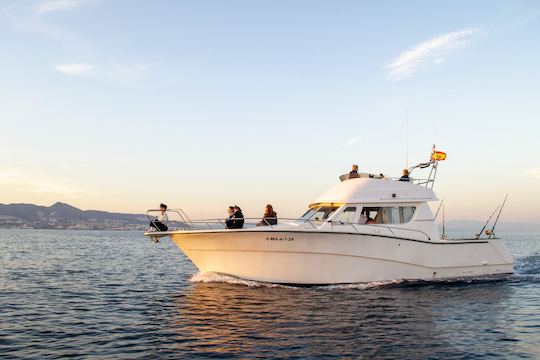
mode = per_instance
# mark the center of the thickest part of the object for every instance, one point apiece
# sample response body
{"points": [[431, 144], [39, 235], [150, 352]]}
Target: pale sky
{"points": [[121, 105]]}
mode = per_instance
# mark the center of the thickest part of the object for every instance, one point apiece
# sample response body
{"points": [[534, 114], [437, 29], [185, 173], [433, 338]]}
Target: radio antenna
{"points": [[406, 138], [443, 220]]}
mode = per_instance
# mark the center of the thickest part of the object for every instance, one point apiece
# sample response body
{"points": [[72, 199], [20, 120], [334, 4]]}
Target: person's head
{"points": [[230, 210], [405, 172], [268, 209], [162, 207], [237, 208], [355, 167]]}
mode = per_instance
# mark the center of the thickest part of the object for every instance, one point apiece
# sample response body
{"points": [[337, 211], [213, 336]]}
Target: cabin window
{"points": [[387, 214], [346, 216], [320, 213], [407, 213]]}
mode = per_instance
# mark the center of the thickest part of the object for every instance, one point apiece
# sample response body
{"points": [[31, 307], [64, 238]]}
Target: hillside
{"points": [[65, 216]]}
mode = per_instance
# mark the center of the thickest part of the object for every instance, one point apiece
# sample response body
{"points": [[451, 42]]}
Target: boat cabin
{"points": [[380, 202]]}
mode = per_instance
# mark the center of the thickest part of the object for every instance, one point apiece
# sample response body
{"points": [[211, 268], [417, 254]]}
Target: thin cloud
{"points": [[350, 142], [124, 74], [75, 69], [533, 172], [129, 74], [430, 52], [356, 140], [38, 184], [61, 5]]}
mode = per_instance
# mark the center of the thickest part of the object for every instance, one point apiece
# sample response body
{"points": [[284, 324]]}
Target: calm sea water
{"points": [[96, 294]]}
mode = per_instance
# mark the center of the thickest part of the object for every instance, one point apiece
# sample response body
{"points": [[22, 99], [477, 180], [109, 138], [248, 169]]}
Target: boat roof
{"points": [[362, 190]]}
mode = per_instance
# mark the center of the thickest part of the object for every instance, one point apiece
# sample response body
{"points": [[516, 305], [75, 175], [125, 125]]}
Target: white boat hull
{"points": [[309, 257]]}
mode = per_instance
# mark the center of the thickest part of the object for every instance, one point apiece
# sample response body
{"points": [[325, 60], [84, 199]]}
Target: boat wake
{"points": [[210, 277], [527, 268]]}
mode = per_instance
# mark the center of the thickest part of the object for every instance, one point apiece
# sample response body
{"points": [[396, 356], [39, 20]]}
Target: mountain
{"points": [[65, 216]]}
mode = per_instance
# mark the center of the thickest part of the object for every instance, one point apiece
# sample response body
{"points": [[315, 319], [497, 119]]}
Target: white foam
{"points": [[210, 277], [361, 286]]}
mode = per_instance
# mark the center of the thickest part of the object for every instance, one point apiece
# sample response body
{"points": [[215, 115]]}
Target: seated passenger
{"points": [[239, 216], [405, 176], [160, 222], [371, 221], [236, 218], [354, 172], [364, 217], [269, 217]]}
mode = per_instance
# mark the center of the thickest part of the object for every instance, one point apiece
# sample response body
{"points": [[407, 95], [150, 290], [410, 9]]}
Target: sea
{"points": [[116, 295]]}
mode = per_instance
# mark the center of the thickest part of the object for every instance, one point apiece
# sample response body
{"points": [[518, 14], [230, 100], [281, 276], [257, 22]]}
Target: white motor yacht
{"points": [[364, 229]]}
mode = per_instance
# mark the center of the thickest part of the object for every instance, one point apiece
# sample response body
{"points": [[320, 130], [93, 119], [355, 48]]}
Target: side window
{"points": [[346, 215], [407, 213], [388, 214]]}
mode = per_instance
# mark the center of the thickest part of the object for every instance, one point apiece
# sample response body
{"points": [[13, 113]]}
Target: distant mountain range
{"points": [[65, 216]]}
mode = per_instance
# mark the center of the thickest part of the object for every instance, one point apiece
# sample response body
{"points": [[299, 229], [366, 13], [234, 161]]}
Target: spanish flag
{"points": [[438, 156]]}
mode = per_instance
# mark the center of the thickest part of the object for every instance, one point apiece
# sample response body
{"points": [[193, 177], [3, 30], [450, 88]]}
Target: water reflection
{"points": [[239, 320]]}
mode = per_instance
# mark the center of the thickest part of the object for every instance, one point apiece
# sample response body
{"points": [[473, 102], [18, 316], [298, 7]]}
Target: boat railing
{"points": [[183, 218], [422, 182], [184, 223]]}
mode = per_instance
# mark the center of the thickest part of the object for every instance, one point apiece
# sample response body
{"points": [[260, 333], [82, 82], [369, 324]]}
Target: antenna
{"points": [[407, 138], [443, 228]]}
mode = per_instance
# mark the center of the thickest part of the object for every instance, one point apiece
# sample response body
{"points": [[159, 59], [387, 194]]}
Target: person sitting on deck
{"points": [[160, 223], [236, 218], [405, 176], [269, 217], [354, 172]]}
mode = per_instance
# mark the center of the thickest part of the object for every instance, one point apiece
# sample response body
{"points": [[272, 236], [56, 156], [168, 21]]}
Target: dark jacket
{"points": [[268, 219], [235, 221], [405, 178]]}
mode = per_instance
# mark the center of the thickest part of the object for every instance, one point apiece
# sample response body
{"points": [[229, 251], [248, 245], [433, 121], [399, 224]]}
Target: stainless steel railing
{"points": [[184, 223]]}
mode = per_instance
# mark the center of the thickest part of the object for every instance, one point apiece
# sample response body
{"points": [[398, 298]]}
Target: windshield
{"points": [[319, 213]]}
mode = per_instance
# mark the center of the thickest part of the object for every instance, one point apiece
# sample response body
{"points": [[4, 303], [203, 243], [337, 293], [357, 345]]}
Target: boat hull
{"points": [[308, 257]]}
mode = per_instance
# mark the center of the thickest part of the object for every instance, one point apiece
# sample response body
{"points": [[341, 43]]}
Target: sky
{"points": [[120, 105]]}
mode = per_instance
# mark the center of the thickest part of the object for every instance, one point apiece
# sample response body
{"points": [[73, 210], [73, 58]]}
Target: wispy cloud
{"points": [[78, 69], [61, 5], [350, 142], [129, 73], [34, 183], [356, 140], [125, 74], [533, 172], [430, 52]]}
